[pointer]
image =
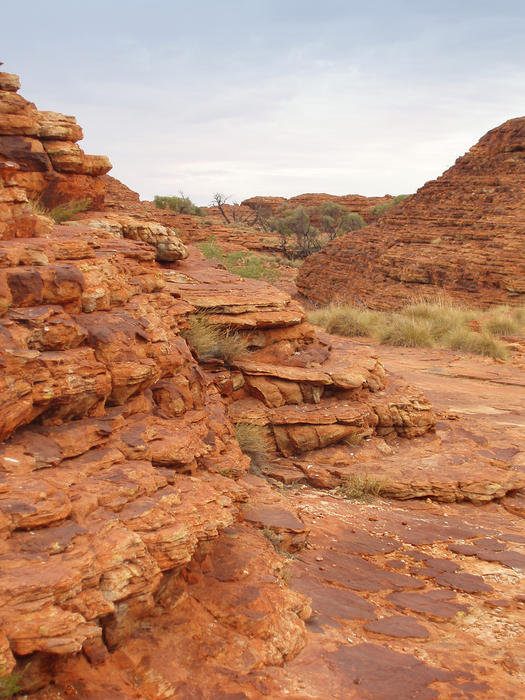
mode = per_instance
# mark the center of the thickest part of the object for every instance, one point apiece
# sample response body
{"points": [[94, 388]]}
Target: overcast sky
{"points": [[274, 97]]}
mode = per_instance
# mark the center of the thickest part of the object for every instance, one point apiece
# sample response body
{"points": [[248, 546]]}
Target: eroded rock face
{"points": [[351, 202], [139, 558], [112, 437], [462, 233], [40, 160], [119, 458]]}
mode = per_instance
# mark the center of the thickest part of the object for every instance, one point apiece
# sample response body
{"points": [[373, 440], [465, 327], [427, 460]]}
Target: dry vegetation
{"points": [[427, 324], [252, 441], [362, 487], [62, 212], [213, 341]]}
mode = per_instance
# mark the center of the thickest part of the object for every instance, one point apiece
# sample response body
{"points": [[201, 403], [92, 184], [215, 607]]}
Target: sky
{"points": [[272, 97]]}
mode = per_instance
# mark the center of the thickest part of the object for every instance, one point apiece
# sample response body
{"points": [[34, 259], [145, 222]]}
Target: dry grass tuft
{"points": [[407, 332], [213, 341], [362, 487], [252, 441], [343, 319], [504, 324], [477, 343], [62, 212], [436, 323]]}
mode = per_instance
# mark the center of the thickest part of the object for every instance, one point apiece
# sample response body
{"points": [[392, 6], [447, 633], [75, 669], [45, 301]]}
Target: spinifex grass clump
{"points": [[213, 341], [62, 212], [346, 320], [251, 439], [362, 487], [427, 324]]}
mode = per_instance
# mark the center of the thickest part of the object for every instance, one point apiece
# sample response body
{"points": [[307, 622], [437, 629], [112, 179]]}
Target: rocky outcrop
{"points": [[112, 437], [138, 555], [118, 458], [352, 202], [304, 389], [40, 160], [463, 233]]}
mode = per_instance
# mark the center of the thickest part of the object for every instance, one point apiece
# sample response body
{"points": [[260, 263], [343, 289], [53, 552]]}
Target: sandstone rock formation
{"points": [[352, 202], [114, 442], [40, 160], [139, 558], [463, 233]]}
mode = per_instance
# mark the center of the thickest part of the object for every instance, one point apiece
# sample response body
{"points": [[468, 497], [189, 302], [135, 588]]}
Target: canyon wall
{"points": [[352, 202], [463, 234], [118, 457]]}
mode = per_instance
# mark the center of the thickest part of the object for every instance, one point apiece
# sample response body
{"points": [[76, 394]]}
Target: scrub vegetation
{"points": [[427, 324], [240, 262], [213, 341]]}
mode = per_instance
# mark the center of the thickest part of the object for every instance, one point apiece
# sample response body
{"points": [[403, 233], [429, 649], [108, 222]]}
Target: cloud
{"points": [[270, 97]]}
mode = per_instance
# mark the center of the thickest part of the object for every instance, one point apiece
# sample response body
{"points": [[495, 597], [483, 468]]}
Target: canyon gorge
{"points": [[145, 551]]}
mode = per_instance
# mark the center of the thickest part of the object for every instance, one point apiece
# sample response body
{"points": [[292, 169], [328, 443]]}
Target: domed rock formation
{"points": [[352, 202], [463, 233]]}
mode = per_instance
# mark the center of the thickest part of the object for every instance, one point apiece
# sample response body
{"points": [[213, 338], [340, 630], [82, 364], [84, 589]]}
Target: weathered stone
{"points": [[461, 233]]}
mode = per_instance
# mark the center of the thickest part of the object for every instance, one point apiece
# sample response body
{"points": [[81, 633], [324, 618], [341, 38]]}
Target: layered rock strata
{"points": [[463, 233], [305, 389], [138, 558], [112, 437], [40, 160], [357, 203]]}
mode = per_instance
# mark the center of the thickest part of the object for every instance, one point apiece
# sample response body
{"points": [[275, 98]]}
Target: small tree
{"points": [[219, 200], [295, 224], [336, 220]]}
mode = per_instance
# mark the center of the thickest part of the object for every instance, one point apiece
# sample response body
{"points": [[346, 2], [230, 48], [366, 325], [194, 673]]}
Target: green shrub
{"points": [[298, 237], [336, 220], [385, 207], [180, 204], [241, 262]]}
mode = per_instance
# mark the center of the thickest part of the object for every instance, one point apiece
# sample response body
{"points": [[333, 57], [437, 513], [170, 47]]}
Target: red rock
{"points": [[463, 582], [121, 536], [443, 237], [432, 603], [33, 143], [398, 626], [329, 603]]}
